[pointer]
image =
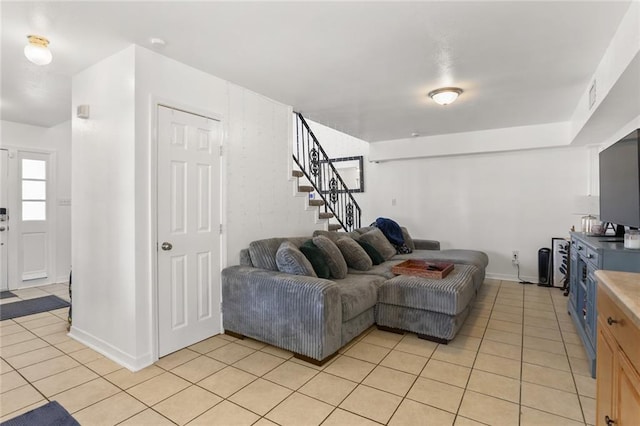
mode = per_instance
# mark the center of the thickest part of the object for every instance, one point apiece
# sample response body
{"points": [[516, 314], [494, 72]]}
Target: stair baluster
{"points": [[316, 166]]}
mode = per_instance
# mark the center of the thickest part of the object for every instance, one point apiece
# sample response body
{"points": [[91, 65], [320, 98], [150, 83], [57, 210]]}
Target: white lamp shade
{"points": [[38, 52], [445, 97]]}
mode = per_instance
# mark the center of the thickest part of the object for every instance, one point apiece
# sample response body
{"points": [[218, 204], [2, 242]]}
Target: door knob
{"points": [[166, 246]]}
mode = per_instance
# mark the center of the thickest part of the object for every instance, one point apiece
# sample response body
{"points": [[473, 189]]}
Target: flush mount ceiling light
{"points": [[445, 95], [37, 50]]}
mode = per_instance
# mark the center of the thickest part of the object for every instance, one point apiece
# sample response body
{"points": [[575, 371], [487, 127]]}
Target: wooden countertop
{"points": [[624, 290]]}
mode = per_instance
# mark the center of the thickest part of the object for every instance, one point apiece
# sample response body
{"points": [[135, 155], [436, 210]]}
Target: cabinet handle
{"points": [[611, 321], [579, 247], [609, 421]]}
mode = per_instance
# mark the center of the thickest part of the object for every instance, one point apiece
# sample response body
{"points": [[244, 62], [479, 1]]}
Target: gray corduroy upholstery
{"points": [[315, 317], [245, 257], [456, 256], [263, 252], [294, 312], [358, 293], [449, 295], [335, 235], [355, 256], [419, 321], [426, 244], [337, 264], [291, 260], [376, 238]]}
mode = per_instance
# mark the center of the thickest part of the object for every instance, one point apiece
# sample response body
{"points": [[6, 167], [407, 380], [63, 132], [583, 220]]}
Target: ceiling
{"points": [[360, 67]]}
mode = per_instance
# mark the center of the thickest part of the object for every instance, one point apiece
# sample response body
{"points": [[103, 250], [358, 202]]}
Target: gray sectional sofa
{"points": [[314, 317]]}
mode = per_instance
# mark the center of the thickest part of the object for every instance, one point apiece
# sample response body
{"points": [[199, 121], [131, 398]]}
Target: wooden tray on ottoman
{"points": [[422, 268]]}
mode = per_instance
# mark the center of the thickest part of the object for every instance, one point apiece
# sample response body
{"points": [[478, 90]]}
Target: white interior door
{"points": [[188, 229], [4, 223]]}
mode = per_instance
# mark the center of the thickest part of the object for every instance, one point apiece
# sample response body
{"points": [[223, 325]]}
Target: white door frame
{"points": [[4, 234], [154, 103], [15, 261]]}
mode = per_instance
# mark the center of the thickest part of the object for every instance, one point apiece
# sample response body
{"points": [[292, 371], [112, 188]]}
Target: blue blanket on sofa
{"points": [[391, 230]]}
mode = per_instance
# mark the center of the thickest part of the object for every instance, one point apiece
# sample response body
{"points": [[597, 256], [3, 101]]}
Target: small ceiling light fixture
{"points": [[445, 95], [37, 50]]}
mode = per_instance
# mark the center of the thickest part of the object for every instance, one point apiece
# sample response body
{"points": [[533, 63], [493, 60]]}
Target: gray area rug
{"points": [[6, 294], [31, 306], [51, 414]]}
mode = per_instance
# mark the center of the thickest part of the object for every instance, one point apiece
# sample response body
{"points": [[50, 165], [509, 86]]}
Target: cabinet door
{"points": [[573, 279], [591, 314], [628, 393], [605, 371]]}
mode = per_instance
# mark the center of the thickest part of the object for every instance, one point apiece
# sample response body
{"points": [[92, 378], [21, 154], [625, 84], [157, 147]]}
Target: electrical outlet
{"points": [[515, 257]]}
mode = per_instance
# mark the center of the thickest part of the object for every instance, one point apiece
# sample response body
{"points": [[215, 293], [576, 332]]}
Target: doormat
{"points": [[31, 306], [47, 415], [6, 294]]}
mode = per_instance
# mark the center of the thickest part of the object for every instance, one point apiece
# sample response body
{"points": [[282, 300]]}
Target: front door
{"points": [[188, 229], [35, 215]]}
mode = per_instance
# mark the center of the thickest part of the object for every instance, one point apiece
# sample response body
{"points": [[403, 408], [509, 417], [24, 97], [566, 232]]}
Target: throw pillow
{"points": [[317, 259], [407, 238], [376, 238], [376, 257], [335, 235], [354, 254], [291, 260], [337, 265]]}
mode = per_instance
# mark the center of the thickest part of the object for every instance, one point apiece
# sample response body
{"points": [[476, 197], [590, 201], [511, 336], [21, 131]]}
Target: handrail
{"points": [[325, 179]]}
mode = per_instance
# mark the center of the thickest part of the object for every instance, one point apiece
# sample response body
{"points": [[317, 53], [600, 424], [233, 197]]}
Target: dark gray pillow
{"points": [[376, 238], [355, 256], [290, 260], [407, 238], [337, 264]]}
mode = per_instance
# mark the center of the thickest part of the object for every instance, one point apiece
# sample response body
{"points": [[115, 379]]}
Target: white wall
{"points": [[617, 79], [57, 139], [113, 170], [491, 202], [103, 208], [484, 141]]}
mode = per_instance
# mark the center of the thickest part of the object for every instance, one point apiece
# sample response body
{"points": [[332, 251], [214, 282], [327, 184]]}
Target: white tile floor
{"points": [[517, 360]]}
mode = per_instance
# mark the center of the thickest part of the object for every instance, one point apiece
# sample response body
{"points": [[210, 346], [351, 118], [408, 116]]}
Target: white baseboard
{"points": [[511, 277], [114, 354]]}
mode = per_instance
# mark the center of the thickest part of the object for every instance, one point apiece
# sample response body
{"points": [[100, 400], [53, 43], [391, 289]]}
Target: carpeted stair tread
{"points": [[334, 227], [325, 215], [305, 188], [316, 203], [297, 173]]}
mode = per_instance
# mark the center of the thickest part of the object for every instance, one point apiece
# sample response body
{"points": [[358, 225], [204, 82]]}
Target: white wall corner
{"points": [[617, 80], [124, 359]]}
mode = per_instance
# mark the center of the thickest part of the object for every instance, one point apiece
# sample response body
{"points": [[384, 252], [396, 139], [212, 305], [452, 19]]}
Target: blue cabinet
{"points": [[588, 254]]}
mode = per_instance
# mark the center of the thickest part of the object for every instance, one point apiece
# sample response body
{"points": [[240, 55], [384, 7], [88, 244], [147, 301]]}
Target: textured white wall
{"points": [[54, 139], [116, 146], [103, 209], [490, 202]]}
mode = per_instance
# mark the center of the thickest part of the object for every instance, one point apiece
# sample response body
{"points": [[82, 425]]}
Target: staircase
{"points": [[336, 202]]}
